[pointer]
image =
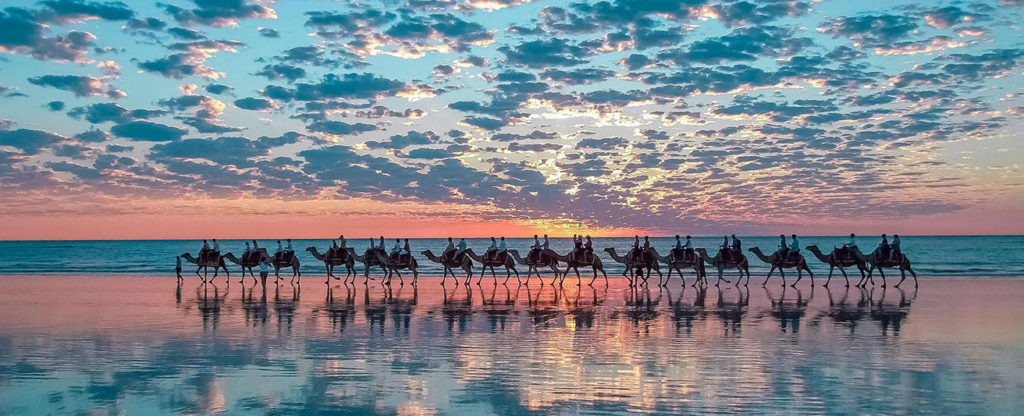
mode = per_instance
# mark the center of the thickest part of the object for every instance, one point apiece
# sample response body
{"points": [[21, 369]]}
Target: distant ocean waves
{"points": [[969, 256]]}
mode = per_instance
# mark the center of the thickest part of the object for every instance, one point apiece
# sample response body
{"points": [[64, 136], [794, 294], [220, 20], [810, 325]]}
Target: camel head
{"points": [[609, 250]]}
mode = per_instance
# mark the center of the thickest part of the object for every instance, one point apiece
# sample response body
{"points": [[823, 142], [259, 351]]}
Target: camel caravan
{"points": [[639, 261]]}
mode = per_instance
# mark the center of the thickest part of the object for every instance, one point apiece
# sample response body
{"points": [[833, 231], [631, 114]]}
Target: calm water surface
{"points": [[118, 345]]}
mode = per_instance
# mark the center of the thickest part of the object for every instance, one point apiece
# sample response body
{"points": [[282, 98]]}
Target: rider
{"points": [[737, 246], [783, 247], [852, 243], [344, 244], [794, 247], [216, 245], [248, 249], [279, 248], [535, 249], [501, 248], [381, 245], [461, 247], [449, 251], [894, 248], [647, 248], [491, 249], [255, 246], [395, 251], [546, 245], [884, 246], [406, 249], [287, 248], [588, 248]]}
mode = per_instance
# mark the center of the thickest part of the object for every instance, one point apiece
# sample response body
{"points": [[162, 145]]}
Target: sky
{"points": [[425, 118]]}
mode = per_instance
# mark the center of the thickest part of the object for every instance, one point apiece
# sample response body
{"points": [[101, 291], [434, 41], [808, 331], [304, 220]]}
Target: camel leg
{"points": [[783, 274], [769, 276], [845, 277], [810, 275], [881, 273], [914, 275], [902, 278], [799, 276]]}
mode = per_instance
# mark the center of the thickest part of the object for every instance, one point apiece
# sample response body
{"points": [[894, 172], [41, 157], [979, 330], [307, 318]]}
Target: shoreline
{"points": [[689, 277]]}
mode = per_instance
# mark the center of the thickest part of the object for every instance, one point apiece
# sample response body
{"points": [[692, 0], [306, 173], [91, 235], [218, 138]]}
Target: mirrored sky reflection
{"points": [[73, 345], [432, 116]]}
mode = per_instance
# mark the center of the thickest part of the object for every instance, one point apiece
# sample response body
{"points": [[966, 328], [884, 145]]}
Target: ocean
{"points": [[931, 256]]}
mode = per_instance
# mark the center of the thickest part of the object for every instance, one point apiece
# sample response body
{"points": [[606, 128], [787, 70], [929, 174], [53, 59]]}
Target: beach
{"points": [[139, 345]]}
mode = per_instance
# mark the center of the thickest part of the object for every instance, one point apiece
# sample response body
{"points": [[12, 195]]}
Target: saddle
{"points": [[446, 257], [844, 254], [250, 257], [726, 254], [207, 255], [635, 255], [284, 257], [684, 254], [336, 254]]}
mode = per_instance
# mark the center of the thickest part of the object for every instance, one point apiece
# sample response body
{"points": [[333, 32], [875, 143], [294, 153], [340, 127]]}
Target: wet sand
{"points": [[147, 345]]}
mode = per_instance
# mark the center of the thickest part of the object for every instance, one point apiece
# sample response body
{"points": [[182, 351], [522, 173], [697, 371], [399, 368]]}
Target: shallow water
{"points": [[117, 345], [968, 256]]}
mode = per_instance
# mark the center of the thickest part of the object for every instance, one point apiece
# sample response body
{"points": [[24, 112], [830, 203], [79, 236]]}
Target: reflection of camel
{"points": [[878, 260], [677, 262], [641, 307], [457, 309], [636, 263], [376, 310], [582, 313], [844, 312], [401, 309], [249, 261], [683, 313], [285, 308], [889, 314], [341, 313], [336, 257], [542, 313], [834, 259], [255, 310], [498, 311], [595, 263], [732, 312], [789, 312], [209, 309], [534, 263], [736, 260], [501, 260], [450, 264], [217, 263], [791, 261]]}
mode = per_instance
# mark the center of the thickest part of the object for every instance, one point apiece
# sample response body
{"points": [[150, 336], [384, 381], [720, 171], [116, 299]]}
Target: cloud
{"points": [[251, 103], [219, 13], [871, 30], [544, 53], [282, 71], [268, 32], [340, 128], [235, 151], [348, 86], [29, 141], [81, 86], [22, 32], [147, 131], [110, 112], [411, 138]]}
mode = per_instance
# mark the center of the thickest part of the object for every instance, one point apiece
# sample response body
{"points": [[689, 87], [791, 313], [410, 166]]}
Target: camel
{"points": [[575, 265], [739, 261], [280, 261], [876, 261], [791, 261], [833, 260], [217, 264], [392, 267], [371, 257], [333, 258], [249, 262], [449, 265], [506, 260], [678, 263], [634, 264], [534, 264]]}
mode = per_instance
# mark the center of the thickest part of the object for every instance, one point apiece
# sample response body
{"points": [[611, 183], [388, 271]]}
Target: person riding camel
{"points": [[288, 251], [783, 247], [502, 249], [493, 248], [203, 251], [381, 245], [588, 250], [216, 245], [852, 242], [577, 251], [535, 252], [280, 250], [724, 249], [894, 248], [647, 249], [636, 247], [406, 253], [546, 246], [448, 252], [396, 250], [884, 247], [794, 247], [460, 249], [737, 246]]}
